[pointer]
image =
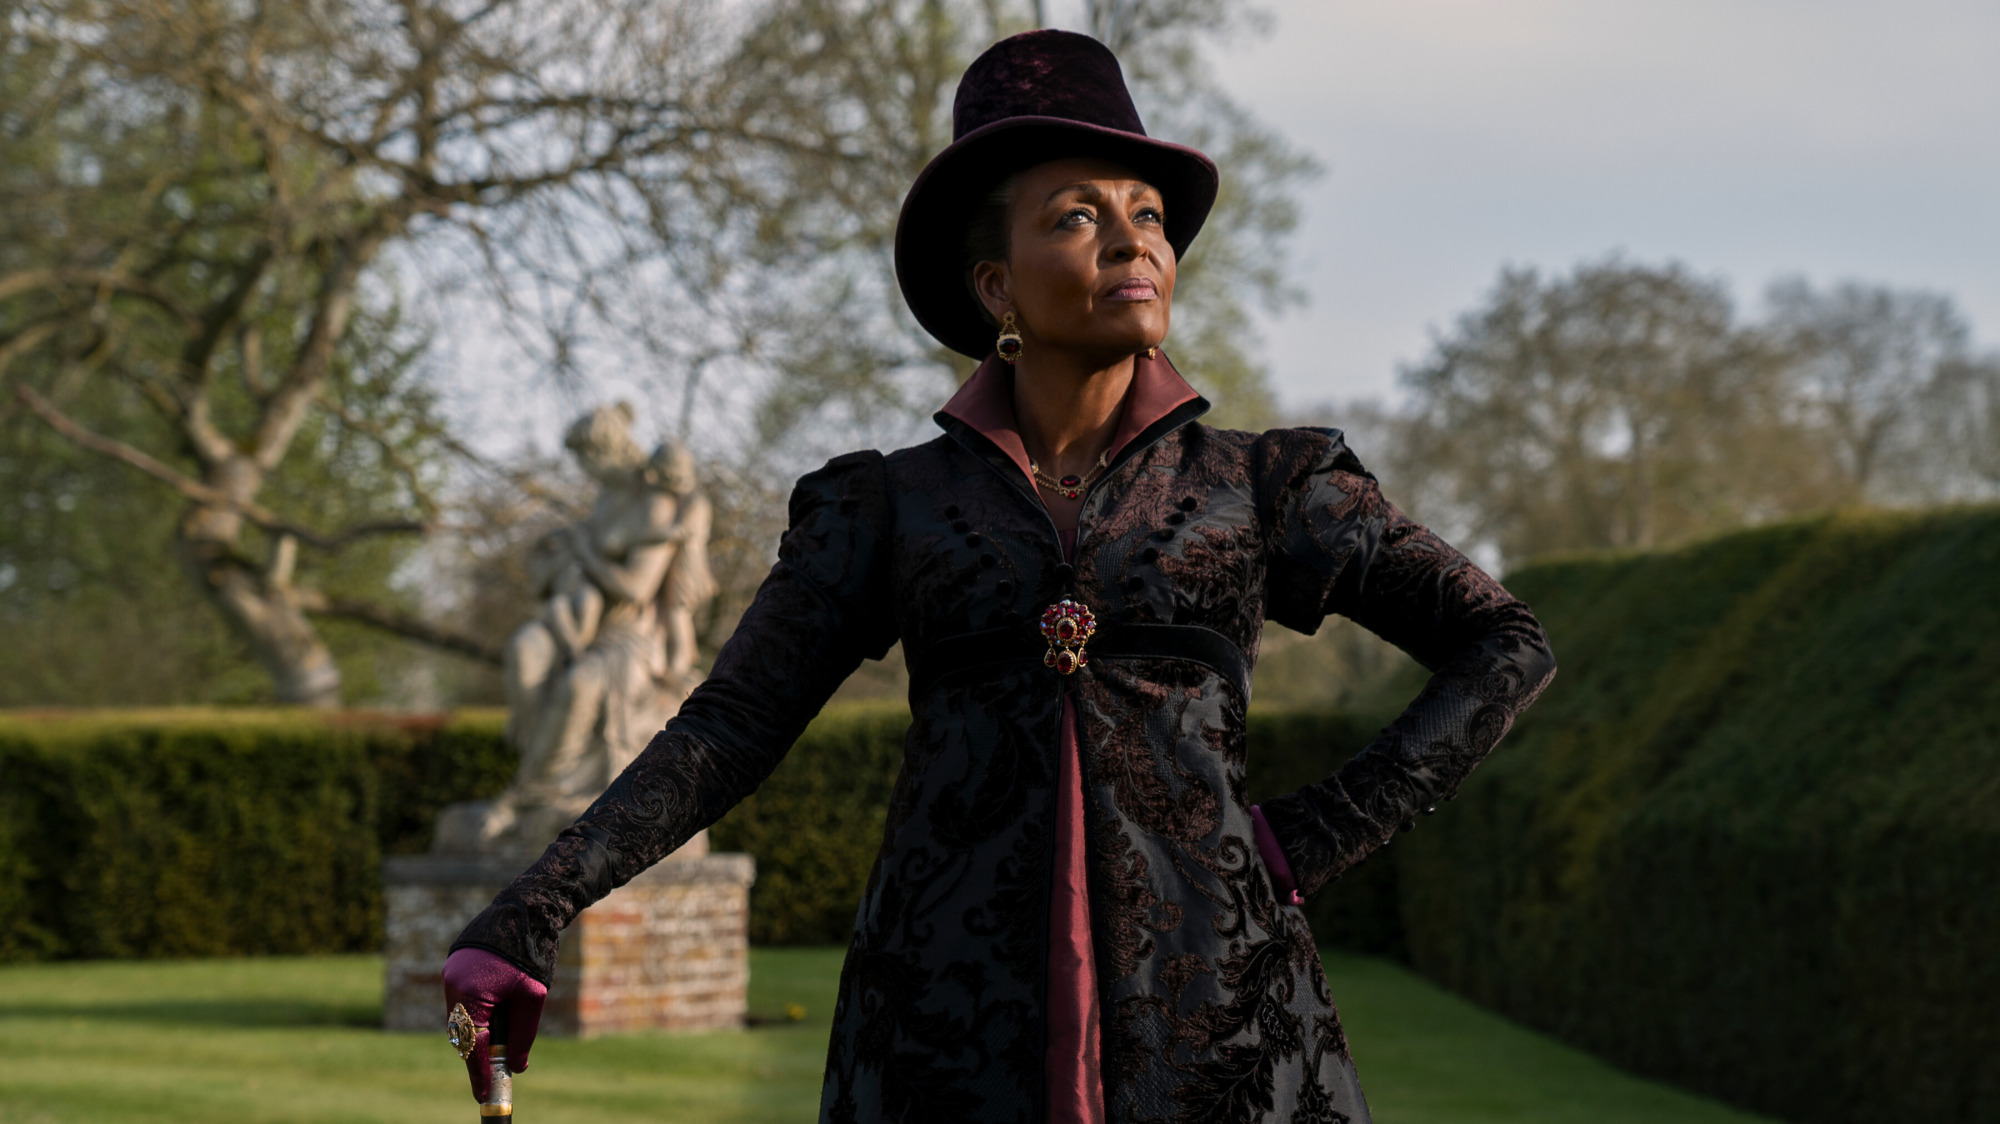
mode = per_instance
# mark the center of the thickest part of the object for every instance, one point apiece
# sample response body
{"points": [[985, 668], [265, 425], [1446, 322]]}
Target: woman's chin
{"points": [[1112, 345]]}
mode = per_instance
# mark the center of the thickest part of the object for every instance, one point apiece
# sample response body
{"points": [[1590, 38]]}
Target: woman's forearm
{"points": [[1419, 759]]}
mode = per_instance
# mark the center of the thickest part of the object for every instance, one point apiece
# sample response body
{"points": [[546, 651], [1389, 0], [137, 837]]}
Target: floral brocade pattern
{"points": [[1215, 1006]]}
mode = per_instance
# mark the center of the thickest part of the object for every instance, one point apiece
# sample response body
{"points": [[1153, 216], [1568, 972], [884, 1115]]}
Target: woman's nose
{"points": [[1124, 243]]}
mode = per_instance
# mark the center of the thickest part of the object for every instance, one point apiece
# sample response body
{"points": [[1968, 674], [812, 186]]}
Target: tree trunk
{"points": [[260, 606]]}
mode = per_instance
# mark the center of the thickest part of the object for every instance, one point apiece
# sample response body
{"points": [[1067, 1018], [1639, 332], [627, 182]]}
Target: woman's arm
{"points": [[1339, 547], [815, 618]]}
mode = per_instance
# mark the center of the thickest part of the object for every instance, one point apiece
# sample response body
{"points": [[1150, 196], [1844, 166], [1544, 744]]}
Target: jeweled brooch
{"points": [[1067, 626], [461, 1031]]}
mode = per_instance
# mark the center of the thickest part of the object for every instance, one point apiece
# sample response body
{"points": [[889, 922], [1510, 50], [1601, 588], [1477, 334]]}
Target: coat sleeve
{"points": [[1339, 547], [819, 613]]}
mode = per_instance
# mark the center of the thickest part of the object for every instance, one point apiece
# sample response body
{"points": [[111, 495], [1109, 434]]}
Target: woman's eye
{"points": [[1077, 217], [1149, 214]]}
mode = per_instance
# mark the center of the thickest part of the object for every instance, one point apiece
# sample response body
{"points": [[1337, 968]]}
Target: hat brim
{"points": [[930, 232]]}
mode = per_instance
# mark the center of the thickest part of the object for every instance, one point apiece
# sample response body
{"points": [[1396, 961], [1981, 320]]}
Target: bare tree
{"points": [[1961, 407], [227, 175], [708, 192], [1884, 373], [1621, 406]]}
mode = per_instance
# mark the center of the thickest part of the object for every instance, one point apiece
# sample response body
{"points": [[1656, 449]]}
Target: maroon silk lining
{"points": [[1072, 1057]]}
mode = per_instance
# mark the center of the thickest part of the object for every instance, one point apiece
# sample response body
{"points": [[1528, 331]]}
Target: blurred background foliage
{"points": [[241, 248], [226, 229]]}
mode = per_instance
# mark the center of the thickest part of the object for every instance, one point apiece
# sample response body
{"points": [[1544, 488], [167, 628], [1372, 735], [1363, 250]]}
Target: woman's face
{"points": [[1088, 268]]}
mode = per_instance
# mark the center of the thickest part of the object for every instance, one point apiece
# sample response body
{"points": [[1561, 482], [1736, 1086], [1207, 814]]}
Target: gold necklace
{"points": [[1071, 486]]}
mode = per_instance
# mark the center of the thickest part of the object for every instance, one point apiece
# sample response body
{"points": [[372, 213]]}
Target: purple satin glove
{"points": [[1274, 858], [505, 1002]]}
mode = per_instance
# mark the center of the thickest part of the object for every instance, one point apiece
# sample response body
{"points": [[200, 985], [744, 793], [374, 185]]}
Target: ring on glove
{"points": [[461, 1031]]}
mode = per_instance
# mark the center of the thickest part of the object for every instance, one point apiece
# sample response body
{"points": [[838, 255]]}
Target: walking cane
{"points": [[499, 1101]]}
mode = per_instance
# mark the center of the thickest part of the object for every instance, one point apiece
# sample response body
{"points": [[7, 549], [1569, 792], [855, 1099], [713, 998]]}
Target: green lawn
{"points": [[293, 1039]]}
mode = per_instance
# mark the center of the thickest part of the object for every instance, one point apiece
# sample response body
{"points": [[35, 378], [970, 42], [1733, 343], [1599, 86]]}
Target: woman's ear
{"points": [[995, 285]]}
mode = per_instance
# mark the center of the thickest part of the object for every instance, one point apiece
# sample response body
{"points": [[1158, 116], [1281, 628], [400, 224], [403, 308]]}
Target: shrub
{"points": [[1748, 840], [202, 833]]}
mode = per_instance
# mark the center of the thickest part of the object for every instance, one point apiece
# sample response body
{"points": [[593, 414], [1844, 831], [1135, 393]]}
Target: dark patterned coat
{"points": [[1215, 1006]]}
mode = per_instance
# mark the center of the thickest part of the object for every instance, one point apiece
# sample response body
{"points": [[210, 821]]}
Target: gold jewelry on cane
{"points": [[461, 1031], [1071, 485]]}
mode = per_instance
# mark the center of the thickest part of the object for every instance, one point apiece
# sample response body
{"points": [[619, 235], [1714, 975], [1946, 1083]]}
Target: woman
{"points": [[1073, 916]]}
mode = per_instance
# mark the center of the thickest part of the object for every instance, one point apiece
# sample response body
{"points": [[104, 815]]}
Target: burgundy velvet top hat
{"points": [[1038, 96]]}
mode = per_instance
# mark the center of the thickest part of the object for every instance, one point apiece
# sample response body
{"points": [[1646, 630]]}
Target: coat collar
{"points": [[985, 404]]}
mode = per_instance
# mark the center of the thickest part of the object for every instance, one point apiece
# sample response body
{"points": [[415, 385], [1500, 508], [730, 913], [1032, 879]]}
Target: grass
{"points": [[293, 1039]]}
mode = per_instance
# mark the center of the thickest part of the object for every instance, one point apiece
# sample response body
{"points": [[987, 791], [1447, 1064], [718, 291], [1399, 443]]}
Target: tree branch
{"points": [[201, 493], [391, 456], [23, 343], [197, 421], [26, 280], [285, 410], [401, 624]]}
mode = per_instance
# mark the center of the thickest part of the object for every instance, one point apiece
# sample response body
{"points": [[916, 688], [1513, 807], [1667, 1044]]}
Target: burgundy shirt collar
{"points": [[986, 403]]}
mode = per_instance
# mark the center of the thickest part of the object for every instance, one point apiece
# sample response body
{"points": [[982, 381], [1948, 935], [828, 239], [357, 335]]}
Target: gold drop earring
{"points": [[1008, 346]]}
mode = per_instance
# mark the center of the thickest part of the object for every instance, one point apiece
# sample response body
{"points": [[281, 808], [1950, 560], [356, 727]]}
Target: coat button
{"points": [[1065, 573], [1151, 555], [1003, 588], [1135, 584], [987, 561], [973, 539], [1177, 517], [961, 526], [1189, 503], [951, 511]]}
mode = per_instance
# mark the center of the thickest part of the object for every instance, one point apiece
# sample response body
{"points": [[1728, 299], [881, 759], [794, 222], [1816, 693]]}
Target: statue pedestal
{"points": [[669, 950]]}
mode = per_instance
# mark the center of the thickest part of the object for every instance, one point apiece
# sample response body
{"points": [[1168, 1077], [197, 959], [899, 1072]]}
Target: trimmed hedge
{"points": [[1749, 841], [204, 833]]}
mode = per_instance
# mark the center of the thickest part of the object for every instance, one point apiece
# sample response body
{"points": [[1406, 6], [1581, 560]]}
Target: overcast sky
{"points": [[1749, 139]]}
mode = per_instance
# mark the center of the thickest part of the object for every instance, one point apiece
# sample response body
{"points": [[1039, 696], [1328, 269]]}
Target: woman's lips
{"points": [[1136, 289]]}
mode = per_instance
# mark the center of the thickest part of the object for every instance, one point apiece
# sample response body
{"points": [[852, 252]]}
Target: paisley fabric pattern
{"points": [[1215, 1006]]}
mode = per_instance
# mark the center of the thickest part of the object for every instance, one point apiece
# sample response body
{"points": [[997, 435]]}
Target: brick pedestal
{"points": [[669, 950]]}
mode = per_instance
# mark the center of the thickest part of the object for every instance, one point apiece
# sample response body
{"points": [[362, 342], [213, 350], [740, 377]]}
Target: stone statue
{"points": [[610, 655]]}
